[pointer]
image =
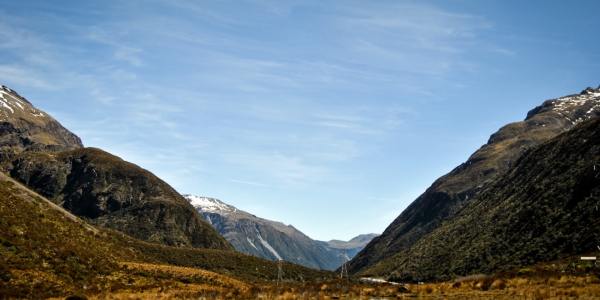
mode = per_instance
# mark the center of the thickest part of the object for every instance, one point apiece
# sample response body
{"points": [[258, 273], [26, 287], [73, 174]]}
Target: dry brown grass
{"points": [[60, 255], [151, 281], [185, 274], [563, 287]]}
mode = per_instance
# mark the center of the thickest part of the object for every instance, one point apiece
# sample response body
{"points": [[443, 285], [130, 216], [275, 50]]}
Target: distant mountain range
{"points": [[275, 240], [530, 194]]}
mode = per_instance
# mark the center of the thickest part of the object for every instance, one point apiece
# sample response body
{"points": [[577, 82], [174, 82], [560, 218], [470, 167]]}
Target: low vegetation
{"points": [[476, 287], [543, 208], [45, 251]]}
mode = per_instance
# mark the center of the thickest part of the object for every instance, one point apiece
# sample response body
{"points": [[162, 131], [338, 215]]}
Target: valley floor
{"points": [[151, 281]]}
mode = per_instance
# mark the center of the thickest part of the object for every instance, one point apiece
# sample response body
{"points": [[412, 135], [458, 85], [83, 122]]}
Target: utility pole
{"points": [[279, 271], [344, 268]]}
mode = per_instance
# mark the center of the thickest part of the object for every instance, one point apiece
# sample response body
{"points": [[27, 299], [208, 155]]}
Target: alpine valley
{"points": [[511, 221]]}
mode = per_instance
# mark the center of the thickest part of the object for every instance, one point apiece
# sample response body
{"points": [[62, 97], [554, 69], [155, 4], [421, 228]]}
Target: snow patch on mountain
{"points": [[207, 204], [5, 102], [251, 243], [274, 240], [589, 98], [5, 105], [10, 101], [268, 246], [19, 105]]}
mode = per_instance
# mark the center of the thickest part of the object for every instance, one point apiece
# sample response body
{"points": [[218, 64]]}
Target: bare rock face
{"points": [[95, 185], [450, 193]]}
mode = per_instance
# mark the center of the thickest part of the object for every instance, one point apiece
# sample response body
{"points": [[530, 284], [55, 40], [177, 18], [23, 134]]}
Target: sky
{"points": [[332, 116]]}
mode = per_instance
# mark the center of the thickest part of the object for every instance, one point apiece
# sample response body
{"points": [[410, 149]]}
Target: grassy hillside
{"points": [[46, 251]]}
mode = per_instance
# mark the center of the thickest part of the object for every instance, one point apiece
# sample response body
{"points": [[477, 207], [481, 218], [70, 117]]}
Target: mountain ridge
{"points": [[448, 195], [272, 239], [542, 209], [23, 127], [361, 239]]}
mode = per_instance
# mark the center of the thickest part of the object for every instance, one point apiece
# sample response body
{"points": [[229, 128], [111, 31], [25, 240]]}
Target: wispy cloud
{"points": [[23, 76], [411, 37], [286, 169], [249, 182], [248, 94], [365, 123], [129, 55], [257, 78], [503, 51]]}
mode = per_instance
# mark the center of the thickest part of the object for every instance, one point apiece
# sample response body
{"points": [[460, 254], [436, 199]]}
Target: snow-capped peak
{"points": [[11, 102], [580, 107], [207, 204]]}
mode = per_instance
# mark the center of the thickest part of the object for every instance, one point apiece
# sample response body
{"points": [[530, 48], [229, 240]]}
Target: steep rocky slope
{"points": [[544, 208], [450, 193], [93, 184], [108, 191], [25, 128], [274, 240]]}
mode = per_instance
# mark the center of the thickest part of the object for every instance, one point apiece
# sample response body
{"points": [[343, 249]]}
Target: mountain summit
{"points": [[26, 128]]}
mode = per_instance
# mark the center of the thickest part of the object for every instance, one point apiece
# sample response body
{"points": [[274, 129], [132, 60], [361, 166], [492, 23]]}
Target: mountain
{"points": [[93, 184], [45, 251], [354, 245], [450, 196], [544, 208], [26, 128], [274, 240]]}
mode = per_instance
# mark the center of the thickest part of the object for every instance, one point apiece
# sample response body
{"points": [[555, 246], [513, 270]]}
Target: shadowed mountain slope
{"points": [[113, 193], [450, 193], [545, 207]]}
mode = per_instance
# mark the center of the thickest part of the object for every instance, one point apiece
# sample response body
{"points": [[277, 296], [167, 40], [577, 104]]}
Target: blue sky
{"points": [[329, 115]]}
